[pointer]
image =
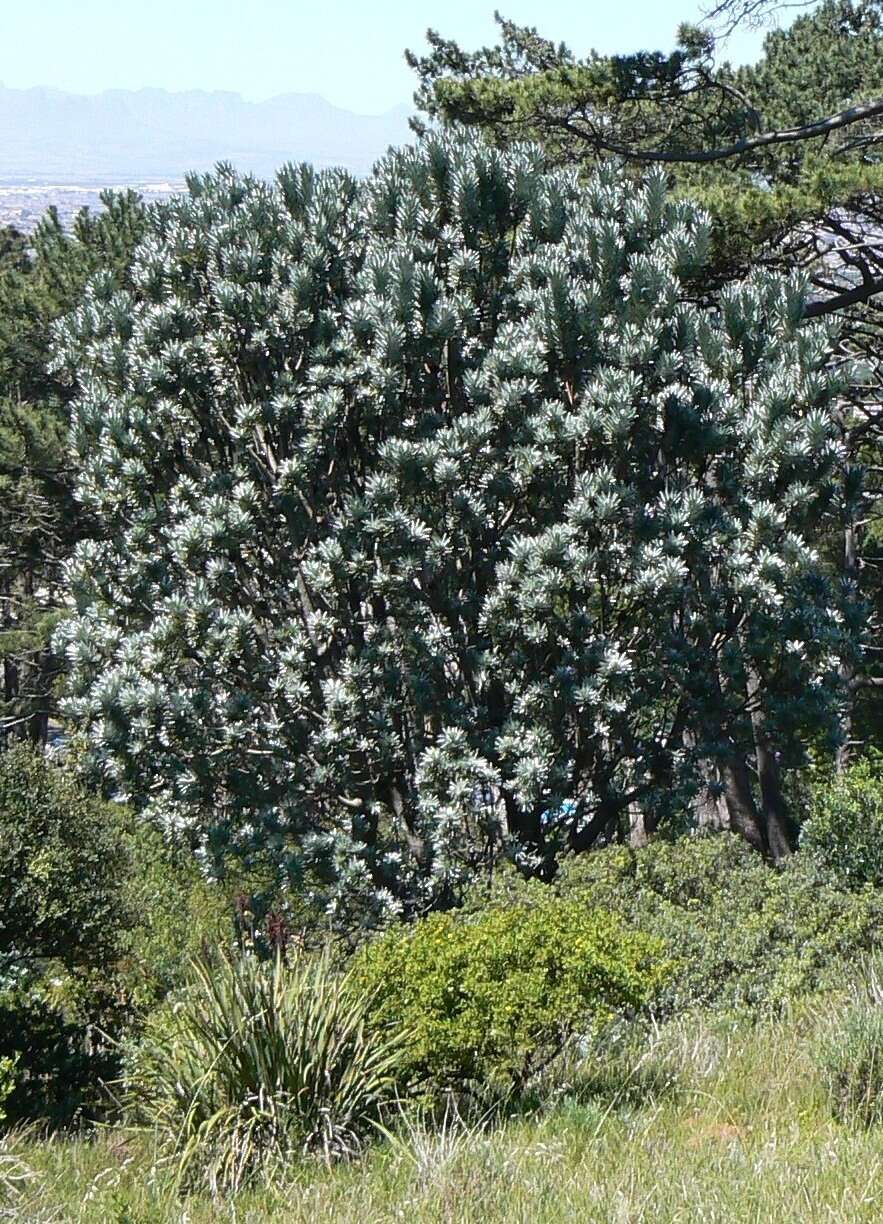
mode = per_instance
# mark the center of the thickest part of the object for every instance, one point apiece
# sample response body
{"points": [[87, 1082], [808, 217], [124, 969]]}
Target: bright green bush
{"points": [[851, 1061], [260, 1062], [844, 831], [491, 998]]}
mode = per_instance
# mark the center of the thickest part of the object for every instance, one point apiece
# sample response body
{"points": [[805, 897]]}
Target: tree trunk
{"points": [[736, 808], [743, 814], [605, 822], [780, 831], [639, 833], [847, 671], [710, 805]]}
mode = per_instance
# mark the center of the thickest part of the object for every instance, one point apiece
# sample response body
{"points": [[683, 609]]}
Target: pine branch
{"points": [[748, 144]]}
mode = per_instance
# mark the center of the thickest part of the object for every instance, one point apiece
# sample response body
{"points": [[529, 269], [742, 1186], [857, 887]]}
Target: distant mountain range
{"points": [[47, 136]]}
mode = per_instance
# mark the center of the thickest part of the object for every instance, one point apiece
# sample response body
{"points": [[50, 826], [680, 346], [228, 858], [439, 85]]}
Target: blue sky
{"points": [[348, 51]]}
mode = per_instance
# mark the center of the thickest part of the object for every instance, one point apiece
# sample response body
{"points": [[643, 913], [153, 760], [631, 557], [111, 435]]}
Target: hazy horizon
{"points": [[102, 94], [400, 107], [345, 52]]}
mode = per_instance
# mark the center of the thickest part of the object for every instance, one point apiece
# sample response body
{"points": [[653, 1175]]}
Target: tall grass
{"points": [[849, 1052], [731, 1125], [16, 1175], [259, 1064]]}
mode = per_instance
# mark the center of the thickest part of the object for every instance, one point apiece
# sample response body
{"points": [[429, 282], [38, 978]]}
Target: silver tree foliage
{"points": [[436, 518]]}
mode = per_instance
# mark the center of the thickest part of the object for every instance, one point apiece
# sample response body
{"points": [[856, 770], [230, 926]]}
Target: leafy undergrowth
{"points": [[705, 1121]]}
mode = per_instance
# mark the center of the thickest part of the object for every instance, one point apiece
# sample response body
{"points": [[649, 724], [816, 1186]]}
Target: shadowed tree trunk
{"points": [[779, 828], [847, 671], [709, 805], [744, 817]]}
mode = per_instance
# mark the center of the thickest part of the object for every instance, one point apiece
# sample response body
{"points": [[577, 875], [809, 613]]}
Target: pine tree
{"points": [[435, 523]]}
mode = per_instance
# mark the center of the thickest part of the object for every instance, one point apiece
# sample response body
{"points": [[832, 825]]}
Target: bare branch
{"points": [[732, 13], [862, 682]]}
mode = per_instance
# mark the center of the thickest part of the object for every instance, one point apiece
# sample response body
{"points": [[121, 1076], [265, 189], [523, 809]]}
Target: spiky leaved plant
{"points": [[259, 1063]]}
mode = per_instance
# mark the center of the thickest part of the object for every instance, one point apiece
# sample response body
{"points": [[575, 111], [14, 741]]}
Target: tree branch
{"points": [[840, 301], [754, 12], [806, 131]]}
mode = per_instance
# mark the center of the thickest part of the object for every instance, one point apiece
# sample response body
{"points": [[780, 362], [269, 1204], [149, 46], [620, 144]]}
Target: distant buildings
{"points": [[23, 204]]}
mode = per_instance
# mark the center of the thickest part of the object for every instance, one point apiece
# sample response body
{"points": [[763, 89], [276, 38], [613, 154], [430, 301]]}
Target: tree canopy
{"points": [[436, 521], [767, 148], [783, 154]]}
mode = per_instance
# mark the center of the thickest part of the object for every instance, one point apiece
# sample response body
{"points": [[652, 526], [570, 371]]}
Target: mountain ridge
{"points": [[49, 135]]}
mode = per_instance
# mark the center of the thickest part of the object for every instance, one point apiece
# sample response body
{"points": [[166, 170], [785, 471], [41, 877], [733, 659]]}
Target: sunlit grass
{"points": [[727, 1123]]}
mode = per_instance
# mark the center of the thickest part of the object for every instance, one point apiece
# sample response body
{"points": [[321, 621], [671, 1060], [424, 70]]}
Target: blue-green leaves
{"points": [[432, 505]]}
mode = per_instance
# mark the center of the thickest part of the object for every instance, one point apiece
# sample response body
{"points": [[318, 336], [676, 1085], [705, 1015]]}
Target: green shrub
{"points": [[63, 865], [742, 935], [844, 831], [491, 998], [745, 936], [7, 1082], [178, 911], [98, 919], [851, 1061], [61, 1063], [260, 1062]]}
